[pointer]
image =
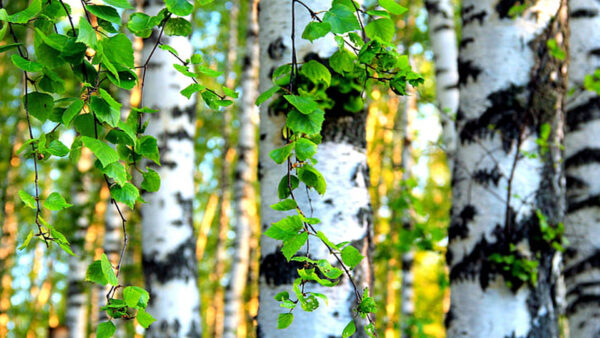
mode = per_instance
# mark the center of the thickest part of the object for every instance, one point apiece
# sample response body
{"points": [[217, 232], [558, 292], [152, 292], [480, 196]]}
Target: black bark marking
{"points": [[590, 202], [187, 206], [189, 111], [277, 270], [504, 116], [466, 70], [583, 13], [469, 19], [487, 176], [434, 9], [590, 262], [459, 227], [178, 264], [582, 114], [583, 157], [504, 6], [277, 49], [574, 183], [465, 42], [443, 27], [180, 134], [594, 52]]}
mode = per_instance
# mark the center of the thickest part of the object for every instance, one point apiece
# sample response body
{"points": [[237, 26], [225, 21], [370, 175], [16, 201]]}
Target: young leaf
{"points": [[392, 7], [144, 318], [27, 199], [280, 155], [105, 330], [304, 104], [191, 89], [108, 271], [342, 19], [293, 244], [316, 72], [127, 194], [308, 124], [349, 330], [315, 30], [27, 240], [312, 178], [283, 190], [305, 149], [382, 29], [105, 12], [151, 182], [179, 7], [351, 256], [284, 205], [285, 229], [135, 296], [26, 65], [266, 95], [103, 152], [39, 104], [285, 320], [56, 202]]}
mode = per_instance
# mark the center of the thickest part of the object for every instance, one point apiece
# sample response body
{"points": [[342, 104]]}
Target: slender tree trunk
{"points": [[582, 259], [344, 210], [407, 286], [442, 36], [168, 241], [246, 214], [511, 88], [76, 310]]}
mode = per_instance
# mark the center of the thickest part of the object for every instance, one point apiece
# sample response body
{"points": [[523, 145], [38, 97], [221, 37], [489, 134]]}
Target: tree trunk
{"points": [[511, 89], [582, 268], [444, 45], [246, 214], [344, 210], [169, 244], [76, 310]]}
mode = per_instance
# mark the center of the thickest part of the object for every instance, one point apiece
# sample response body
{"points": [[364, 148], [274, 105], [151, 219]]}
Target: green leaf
{"points": [[27, 240], [351, 256], [109, 99], [39, 105], [132, 295], [293, 244], [105, 330], [285, 229], [117, 172], [382, 29], [57, 148], [118, 49], [304, 104], [103, 152], [191, 89], [266, 95], [178, 27], [312, 178], [87, 34], [328, 270], [73, 110], [315, 30], [285, 205], [285, 320], [144, 318], [280, 155], [169, 49], [342, 19], [392, 7], [179, 7], [105, 12], [308, 124], [26, 65], [147, 146], [141, 24], [101, 272], [342, 61], [309, 274], [119, 3], [127, 194], [305, 149], [316, 72], [349, 330], [283, 189], [104, 112], [108, 271], [27, 14], [9, 46], [151, 182]]}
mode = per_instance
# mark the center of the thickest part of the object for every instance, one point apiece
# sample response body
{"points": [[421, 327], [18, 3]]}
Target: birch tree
{"points": [[344, 210], [442, 36], [169, 245], [582, 273], [507, 189], [246, 213]]}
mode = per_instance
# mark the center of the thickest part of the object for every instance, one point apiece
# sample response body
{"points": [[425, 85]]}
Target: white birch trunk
{"points": [[344, 210], [510, 87], [442, 36], [168, 242], [246, 213], [76, 310], [582, 147]]}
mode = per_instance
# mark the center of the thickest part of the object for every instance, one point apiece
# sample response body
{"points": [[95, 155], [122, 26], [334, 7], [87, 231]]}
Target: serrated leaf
{"points": [[304, 104], [127, 194], [105, 330], [87, 34], [316, 72], [351, 256], [393, 7], [315, 30], [151, 182], [135, 296], [285, 205], [144, 318], [179, 7], [26, 65], [178, 27], [103, 152], [305, 149], [280, 155], [56, 202], [342, 19], [285, 229], [308, 124], [264, 96], [284, 320], [117, 172], [73, 110], [293, 244], [382, 29], [312, 178]]}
